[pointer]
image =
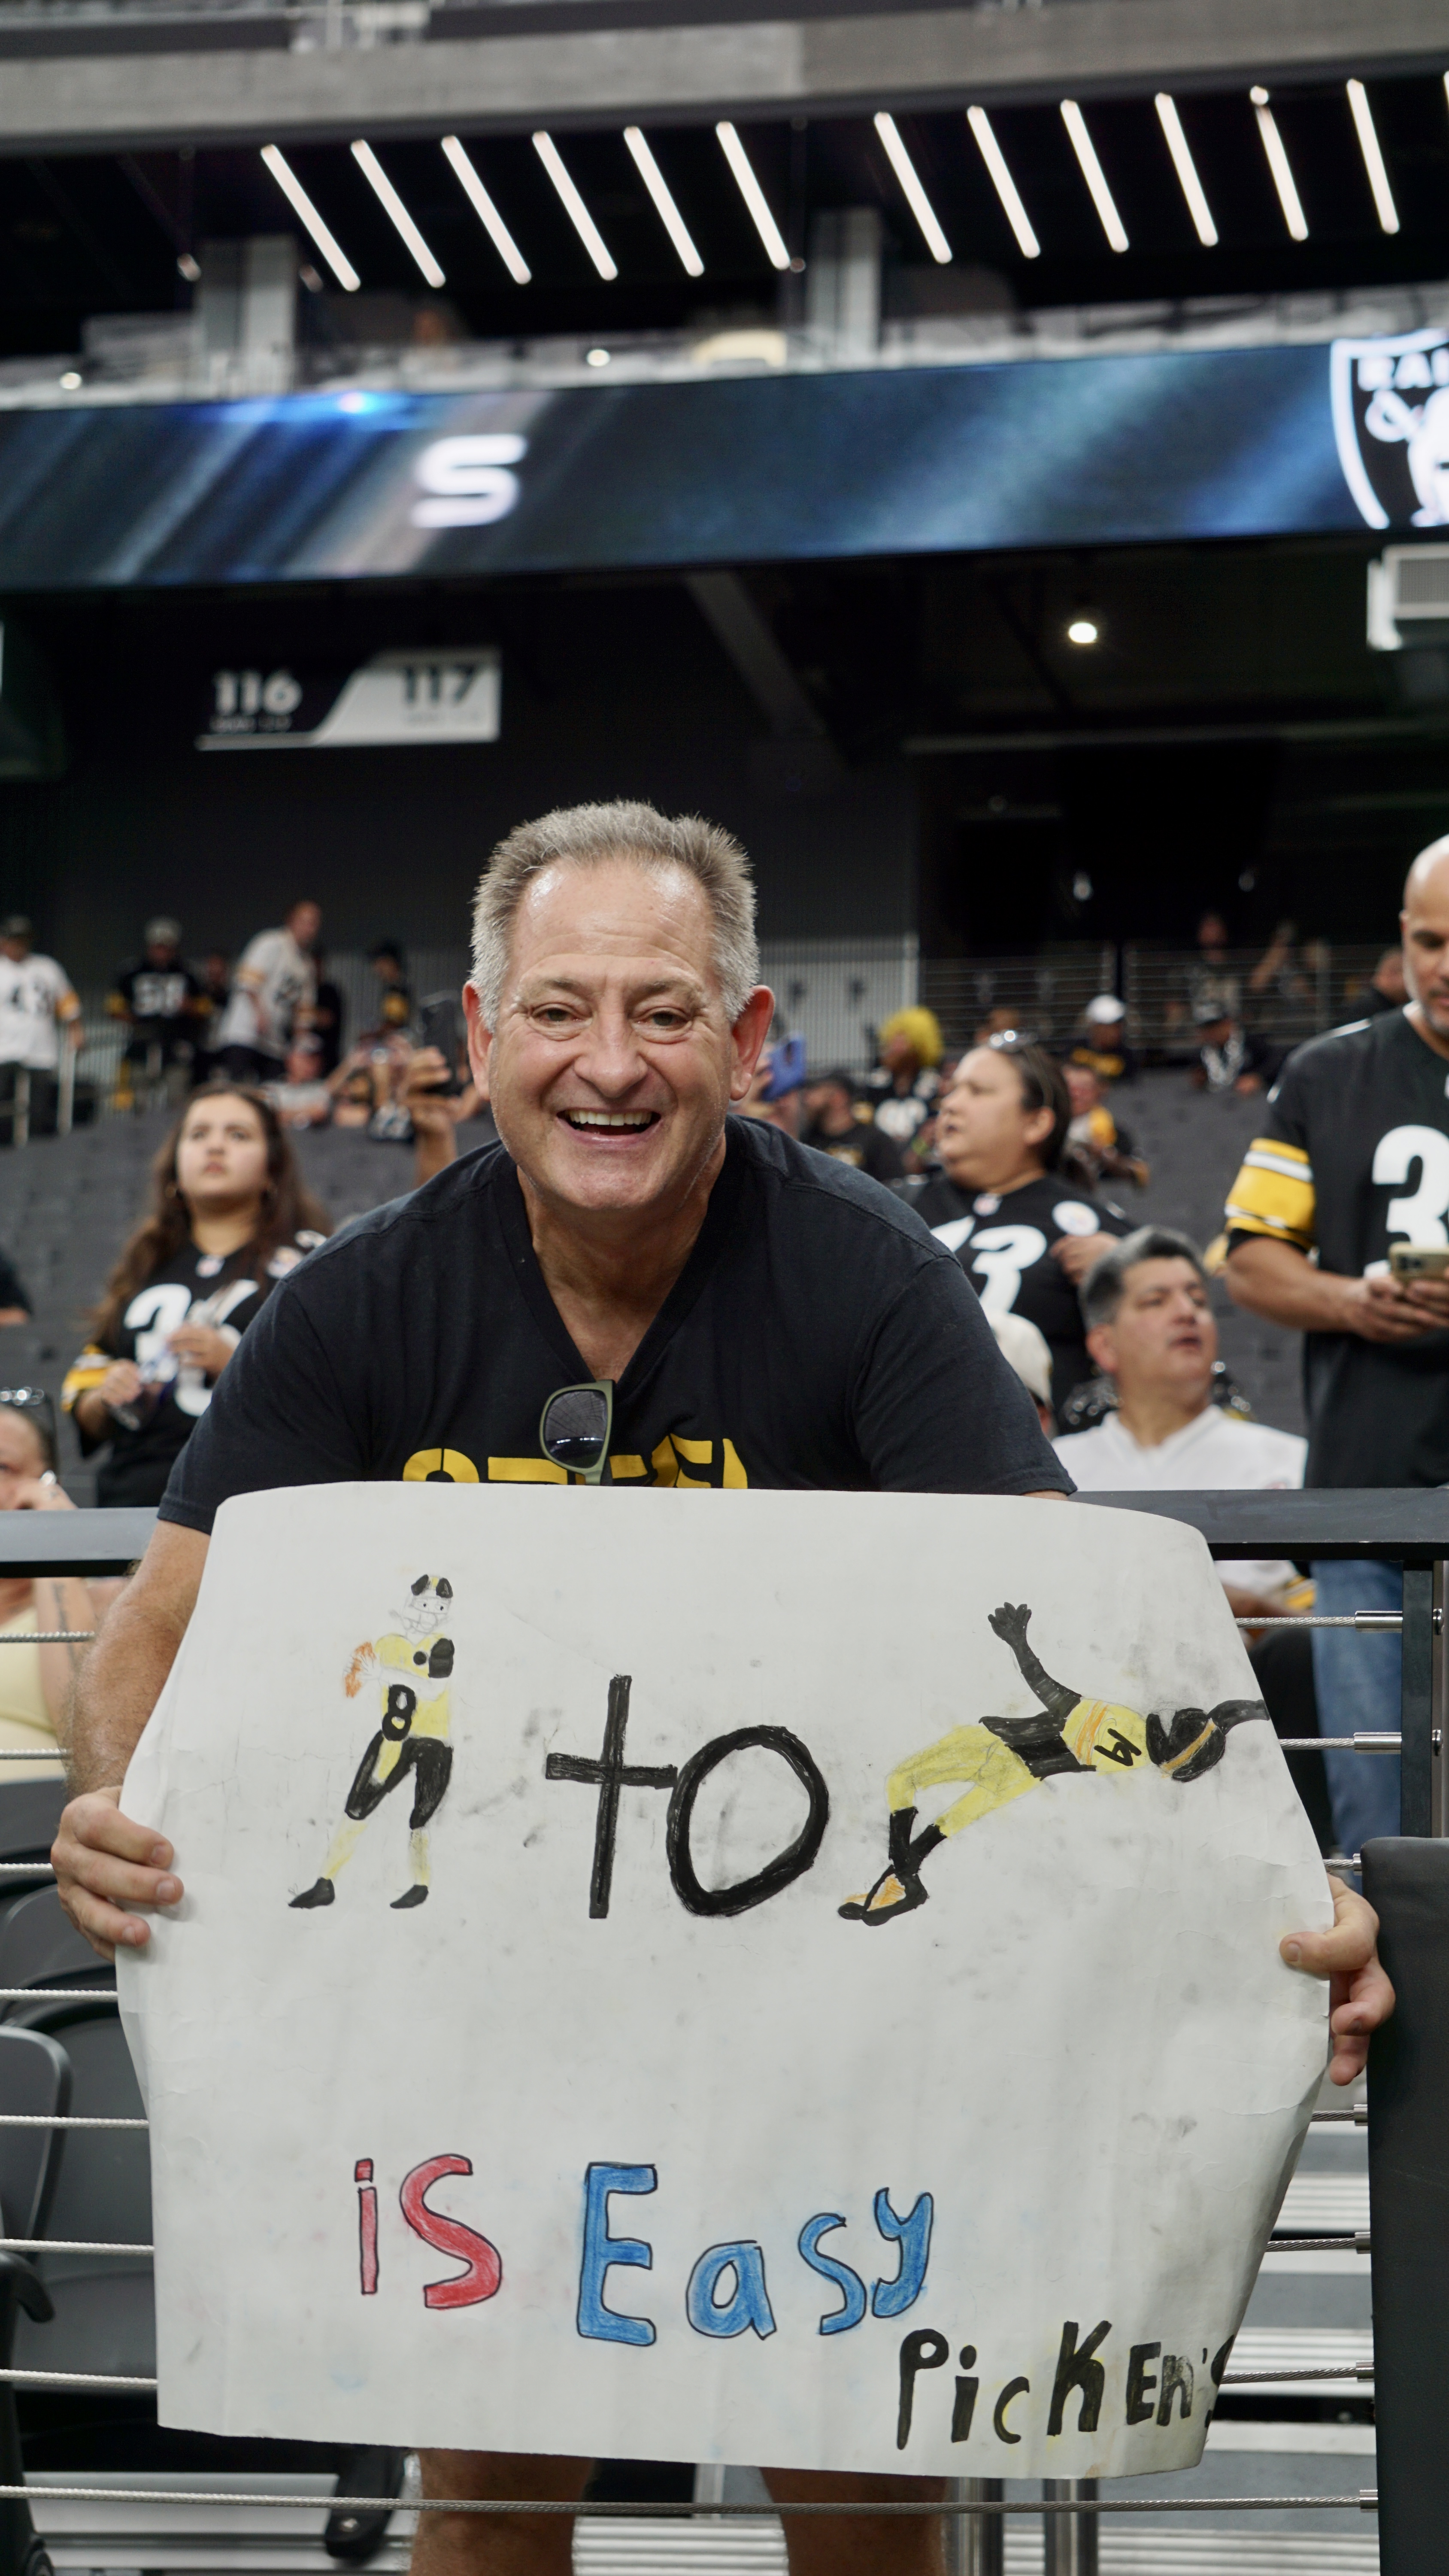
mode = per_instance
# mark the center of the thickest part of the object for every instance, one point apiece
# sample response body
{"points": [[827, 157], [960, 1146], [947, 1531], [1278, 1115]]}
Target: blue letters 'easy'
{"points": [[913, 2235], [602, 2251], [849, 2284], [749, 2302]]}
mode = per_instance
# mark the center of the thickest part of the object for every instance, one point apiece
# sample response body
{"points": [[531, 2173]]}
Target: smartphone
{"points": [[1419, 1260], [439, 1026]]}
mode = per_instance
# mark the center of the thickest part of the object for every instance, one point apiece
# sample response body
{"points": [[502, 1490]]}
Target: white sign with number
{"points": [[450, 693], [641, 1990]]}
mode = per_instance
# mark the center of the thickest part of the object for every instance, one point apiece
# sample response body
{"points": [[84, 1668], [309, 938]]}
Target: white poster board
{"points": [[570, 2113]]}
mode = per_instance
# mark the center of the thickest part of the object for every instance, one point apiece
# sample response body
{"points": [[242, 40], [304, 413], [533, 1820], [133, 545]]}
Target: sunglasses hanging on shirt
{"points": [[575, 1427]]}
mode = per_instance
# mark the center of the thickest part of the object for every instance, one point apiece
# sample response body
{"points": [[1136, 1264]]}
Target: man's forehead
{"points": [[1162, 1270], [615, 917]]}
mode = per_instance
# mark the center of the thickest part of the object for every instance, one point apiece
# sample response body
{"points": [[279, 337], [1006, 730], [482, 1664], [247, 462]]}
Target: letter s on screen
{"points": [[467, 480]]}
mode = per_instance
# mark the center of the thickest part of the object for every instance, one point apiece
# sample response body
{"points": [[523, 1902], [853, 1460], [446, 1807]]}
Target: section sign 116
{"points": [[443, 695]]}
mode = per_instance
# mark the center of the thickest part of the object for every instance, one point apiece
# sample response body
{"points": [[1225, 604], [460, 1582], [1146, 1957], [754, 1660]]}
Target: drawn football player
{"points": [[1001, 1758], [411, 1741]]}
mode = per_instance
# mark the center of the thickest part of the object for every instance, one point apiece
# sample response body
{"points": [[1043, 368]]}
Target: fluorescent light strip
{"points": [[1003, 182], [297, 197], [1186, 168], [754, 197], [486, 212], [664, 205], [1278, 163], [382, 187], [1373, 159], [573, 205], [915, 195], [1092, 172]]}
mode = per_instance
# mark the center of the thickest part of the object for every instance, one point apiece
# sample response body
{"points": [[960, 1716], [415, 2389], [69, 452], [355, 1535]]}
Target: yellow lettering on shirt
{"points": [[526, 1471], [440, 1466]]}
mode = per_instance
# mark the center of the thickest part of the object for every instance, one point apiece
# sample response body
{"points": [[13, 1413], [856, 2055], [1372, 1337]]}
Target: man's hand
{"points": [[1386, 1309], [1077, 1253], [103, 1863], [1361, 1998]]}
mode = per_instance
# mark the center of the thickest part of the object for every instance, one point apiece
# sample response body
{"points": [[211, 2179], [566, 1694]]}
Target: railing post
{"points": [[1416, 1759], [975, 2542], [1071, 2538], [65, 1106], [20, 1113]]}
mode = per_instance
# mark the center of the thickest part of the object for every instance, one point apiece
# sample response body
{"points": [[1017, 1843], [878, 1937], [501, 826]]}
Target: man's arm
{"points": [[104, 1862], [1273, 1280]]}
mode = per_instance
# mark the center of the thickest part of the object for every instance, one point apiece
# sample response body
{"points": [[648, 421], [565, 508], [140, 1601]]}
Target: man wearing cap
{"points": [[160, 1001], [903, 1087], [36, 1000], [1102, 1046]]}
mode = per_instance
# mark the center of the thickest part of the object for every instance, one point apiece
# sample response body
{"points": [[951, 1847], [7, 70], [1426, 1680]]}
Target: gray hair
{"points": [[1105, 1285], [588, 835]]}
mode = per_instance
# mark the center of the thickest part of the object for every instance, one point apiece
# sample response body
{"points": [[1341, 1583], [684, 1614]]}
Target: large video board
{"points": [[1083, 451]]}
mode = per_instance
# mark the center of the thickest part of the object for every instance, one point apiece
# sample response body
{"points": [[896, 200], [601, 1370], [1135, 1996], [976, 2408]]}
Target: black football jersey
{"points": [[1004, 1245], [1354, 1156]]}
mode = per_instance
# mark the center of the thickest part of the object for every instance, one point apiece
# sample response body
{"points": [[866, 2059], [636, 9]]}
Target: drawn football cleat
{"points": [[414, 1896], [321, 1892]]}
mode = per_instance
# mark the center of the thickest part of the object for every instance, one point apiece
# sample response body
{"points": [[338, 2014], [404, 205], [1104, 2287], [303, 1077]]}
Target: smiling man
{"points": [[766, 1316]]}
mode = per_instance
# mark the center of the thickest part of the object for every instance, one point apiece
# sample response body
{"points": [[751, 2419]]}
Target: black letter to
{"points": [[609, 1775], [787, 1864], [1077, 2369]]}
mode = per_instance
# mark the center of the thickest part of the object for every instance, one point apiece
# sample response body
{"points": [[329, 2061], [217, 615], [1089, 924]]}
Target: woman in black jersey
{"points": [[1007, 1201], [229, 1217]]}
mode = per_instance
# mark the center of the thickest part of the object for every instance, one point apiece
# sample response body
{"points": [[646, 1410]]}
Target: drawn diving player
{"points": [[411, 1741], [1001, 1758]]}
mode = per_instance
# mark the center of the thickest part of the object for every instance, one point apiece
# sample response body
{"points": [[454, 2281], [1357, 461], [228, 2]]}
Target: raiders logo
{"points": [[1391, 421]]}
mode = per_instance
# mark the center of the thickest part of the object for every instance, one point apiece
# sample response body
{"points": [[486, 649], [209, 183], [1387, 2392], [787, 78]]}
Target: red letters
{"points": [[366, 2226], [484, 2274]]}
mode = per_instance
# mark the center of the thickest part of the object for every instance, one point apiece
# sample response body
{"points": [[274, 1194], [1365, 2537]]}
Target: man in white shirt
{"points": [[1151, 1330], [274, 988], [36, 1001]]}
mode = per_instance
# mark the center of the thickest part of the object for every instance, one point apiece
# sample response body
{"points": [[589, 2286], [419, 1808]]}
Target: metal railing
{"points": [[1410, 1528]]}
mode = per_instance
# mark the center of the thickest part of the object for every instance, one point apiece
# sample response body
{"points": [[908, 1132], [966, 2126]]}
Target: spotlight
{"points": [[1084, 630], [596, 357], [70, 382]]}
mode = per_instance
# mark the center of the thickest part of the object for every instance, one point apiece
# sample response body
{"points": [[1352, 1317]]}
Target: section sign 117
{"points": [[443, 695]]}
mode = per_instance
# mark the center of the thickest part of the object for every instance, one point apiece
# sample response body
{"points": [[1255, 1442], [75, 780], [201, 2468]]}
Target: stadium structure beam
{"points": [[56, 96]]}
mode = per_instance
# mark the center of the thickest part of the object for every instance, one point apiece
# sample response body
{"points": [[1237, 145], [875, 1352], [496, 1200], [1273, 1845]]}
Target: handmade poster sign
{"points": [[781, 1978]]}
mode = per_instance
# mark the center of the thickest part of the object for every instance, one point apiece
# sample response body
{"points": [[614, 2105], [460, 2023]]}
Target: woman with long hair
{"points": [[229, 1217], [1010, 1199]]}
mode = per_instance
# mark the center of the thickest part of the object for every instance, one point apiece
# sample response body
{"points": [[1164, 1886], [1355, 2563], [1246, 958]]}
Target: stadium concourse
{"points": [[65, 1203]]}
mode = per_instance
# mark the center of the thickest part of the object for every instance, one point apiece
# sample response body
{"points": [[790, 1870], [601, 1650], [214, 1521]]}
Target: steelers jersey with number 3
{"points": [[1353, 1156]]}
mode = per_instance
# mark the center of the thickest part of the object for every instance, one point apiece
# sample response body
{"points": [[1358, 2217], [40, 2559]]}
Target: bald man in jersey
{"points": [[1352, 1159]]}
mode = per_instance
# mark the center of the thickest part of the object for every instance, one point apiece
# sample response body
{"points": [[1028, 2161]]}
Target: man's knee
{"points": [[497, 2477]]}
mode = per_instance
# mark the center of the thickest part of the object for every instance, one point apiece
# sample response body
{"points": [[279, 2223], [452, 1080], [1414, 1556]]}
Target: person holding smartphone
{"points": [[1338, 1224]]}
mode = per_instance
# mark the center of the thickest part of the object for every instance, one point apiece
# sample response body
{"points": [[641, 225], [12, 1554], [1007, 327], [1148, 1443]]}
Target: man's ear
{"points": [[1102, 1343], [748, 1037], [480, 1037]]}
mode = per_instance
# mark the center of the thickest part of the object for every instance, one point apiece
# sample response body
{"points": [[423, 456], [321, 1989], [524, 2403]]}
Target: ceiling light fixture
{"points": [[754, 196], [1281, 167], [1186, 168], [392, 205], [912, 190], [664, 205], [573, 205], [1373, 159], [485, 210], [1003, 182], [1084, 630], [596, 357], [1095, 176], [301, 204]]}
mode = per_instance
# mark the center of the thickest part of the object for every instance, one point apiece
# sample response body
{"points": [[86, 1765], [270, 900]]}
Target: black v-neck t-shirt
{"points": [[816, 1337]]}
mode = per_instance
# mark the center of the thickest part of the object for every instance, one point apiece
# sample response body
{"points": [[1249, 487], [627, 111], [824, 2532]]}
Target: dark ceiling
{"points": [[87, 236]]}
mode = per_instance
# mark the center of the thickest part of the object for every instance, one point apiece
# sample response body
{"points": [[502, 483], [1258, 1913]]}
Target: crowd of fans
{"points": [[1010, 1151]]}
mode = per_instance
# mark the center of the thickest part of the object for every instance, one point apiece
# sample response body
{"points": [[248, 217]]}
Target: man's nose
{"points": [[611, 1057]]}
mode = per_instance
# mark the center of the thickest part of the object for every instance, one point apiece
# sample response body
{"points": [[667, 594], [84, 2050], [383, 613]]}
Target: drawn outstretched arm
{"points": [[1010, 1623]]}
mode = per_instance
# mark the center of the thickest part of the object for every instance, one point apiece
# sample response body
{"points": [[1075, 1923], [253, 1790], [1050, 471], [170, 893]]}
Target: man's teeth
{"points": [[610, 1117]]}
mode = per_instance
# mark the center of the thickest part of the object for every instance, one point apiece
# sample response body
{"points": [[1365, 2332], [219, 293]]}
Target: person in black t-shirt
{"points": [[161, 1001], [1026, 1234], [846, 1131], [229, 1217], [765, 1316], [1353, 1159]]}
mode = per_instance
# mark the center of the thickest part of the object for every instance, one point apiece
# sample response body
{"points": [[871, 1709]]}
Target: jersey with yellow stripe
{"points": [[1105, 1738], [1351, 1158]]}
